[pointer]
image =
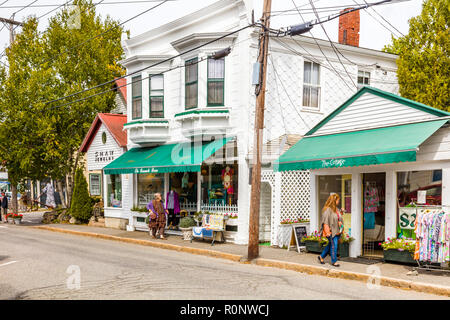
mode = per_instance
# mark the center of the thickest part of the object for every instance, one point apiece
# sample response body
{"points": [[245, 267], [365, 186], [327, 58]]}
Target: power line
{"points": [[153, 65], [104, 32], [332, 45], [140, 80], [105, 3], [318, 45], [311, 57]]}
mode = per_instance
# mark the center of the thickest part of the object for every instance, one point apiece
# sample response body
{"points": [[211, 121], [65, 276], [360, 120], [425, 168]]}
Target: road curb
{"points": [[198, 251], [362, 277], [308, 269]]}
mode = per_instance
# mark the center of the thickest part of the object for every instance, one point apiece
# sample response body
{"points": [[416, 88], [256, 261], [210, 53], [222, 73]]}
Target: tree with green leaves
{"points": [[83, 50], [78, 51], [81, 206], [424, 56], [22, 88]]}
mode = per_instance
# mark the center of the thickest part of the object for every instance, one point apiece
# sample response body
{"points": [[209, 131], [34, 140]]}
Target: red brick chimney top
{"points": [[349, 28]]}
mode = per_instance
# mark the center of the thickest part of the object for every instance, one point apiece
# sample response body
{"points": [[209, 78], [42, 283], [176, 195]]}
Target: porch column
{"points": [[276, 216], [314, 202], [199, 191], [446, 188], [356, 219], [166, 185], [390, 225]]}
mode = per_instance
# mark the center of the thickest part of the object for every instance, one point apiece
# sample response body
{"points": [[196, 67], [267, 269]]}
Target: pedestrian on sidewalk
{"points": [[4, 205], [330, 228], [157, 216]]}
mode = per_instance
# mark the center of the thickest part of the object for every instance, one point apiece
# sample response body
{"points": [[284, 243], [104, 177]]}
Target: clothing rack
{"points": [[432, 266]]}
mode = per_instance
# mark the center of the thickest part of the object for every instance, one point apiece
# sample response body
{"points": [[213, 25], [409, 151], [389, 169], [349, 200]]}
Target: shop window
{"points": [[157, 96], [342, 185], [220, 184], [311, 84], [416, 188], [185, 184], [216, 76], [363, 79], [95, 184], [148, 185], [114, 190], [191, 83], [136, 99]]}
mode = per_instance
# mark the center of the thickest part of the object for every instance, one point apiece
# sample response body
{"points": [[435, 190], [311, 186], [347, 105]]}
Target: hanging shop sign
{"points": [[407, 217], [104, 156]]}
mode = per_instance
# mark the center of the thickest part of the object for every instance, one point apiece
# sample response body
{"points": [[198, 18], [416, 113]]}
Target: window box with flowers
{"points": [[399, 250], [344, 245], [10, 218], [231, 219], [315, 242]]}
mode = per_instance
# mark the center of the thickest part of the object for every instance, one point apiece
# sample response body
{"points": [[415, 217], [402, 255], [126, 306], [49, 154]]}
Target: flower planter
{"points": [[313, 246], [11, 220], [17, 221], [343, 250], [232, 222], [395, 255], [187, 233]]}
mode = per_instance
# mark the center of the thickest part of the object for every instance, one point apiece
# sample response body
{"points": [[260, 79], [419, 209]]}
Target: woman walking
{"points": [[157, 219], [331, 228]]}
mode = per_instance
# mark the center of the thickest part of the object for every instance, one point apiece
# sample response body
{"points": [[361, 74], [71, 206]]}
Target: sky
{"points": [[372, 32]]}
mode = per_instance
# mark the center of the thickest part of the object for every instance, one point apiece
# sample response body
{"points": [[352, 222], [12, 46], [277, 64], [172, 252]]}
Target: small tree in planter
{"points": [[81, 206], [186, 225]]}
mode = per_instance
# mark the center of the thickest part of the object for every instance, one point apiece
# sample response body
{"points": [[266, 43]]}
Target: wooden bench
{"points": [[213, 226]]}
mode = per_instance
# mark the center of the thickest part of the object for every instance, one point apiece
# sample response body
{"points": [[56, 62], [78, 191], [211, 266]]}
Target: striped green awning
{"points": [[358, 148], [179, 157]]}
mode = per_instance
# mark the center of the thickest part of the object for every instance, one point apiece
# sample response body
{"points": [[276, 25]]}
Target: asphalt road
{"points": [[37, 264]]}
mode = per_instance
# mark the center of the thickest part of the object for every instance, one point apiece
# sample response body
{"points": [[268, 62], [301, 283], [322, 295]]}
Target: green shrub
{"points": [[187, 222], [81, 206]]}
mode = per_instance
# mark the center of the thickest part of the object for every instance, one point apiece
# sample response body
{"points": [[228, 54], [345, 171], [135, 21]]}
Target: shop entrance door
{"points": [[374, 185]]}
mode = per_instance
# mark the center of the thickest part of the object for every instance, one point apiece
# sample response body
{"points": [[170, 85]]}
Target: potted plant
{"points": [[232, 219], [315, 242], [17, 218], [399, 250], [10, 218], [186, 225], [344, 244]]}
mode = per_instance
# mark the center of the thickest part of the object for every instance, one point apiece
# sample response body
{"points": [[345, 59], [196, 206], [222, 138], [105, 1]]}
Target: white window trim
{"points": [[309, 108]]}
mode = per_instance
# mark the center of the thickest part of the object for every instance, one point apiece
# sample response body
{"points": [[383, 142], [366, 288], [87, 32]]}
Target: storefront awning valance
{"points": [[178, 157], [358, 148]]}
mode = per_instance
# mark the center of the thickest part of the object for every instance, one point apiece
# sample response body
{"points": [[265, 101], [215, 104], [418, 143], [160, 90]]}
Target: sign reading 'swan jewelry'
{"points": [[104, 156]]}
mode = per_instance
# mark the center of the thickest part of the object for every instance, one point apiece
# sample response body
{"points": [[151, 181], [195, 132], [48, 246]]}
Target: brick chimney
{"points": [[349, 28]]}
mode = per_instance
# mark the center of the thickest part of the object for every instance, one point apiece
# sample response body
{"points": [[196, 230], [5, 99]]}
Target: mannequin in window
{"points": [[227, 181], [173, 206]]}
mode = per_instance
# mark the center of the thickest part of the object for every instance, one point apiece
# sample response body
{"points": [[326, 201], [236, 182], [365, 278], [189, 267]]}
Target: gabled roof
{"points": [[385, 95], [113, 122], [122, 87]]}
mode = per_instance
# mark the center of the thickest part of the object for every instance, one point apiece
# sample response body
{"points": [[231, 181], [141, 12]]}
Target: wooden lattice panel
{"points": [[295, 195]]}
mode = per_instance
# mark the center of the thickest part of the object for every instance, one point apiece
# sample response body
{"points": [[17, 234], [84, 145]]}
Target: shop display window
{"points": [[416, 188], [220, 184], [185, 184], [147, 186], [114, 189], [342, 185]]}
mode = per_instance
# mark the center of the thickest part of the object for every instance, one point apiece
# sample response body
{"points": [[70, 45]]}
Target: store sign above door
{"points": [[333, 163]]}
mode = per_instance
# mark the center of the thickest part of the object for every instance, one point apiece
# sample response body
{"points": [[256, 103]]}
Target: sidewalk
{"points": [[394, 275]]}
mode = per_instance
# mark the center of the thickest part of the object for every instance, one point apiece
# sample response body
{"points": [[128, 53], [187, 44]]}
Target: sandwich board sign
{"points": [[298, 232]]}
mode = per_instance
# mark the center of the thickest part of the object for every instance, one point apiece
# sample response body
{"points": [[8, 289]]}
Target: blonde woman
{"points": [[330, 228]]}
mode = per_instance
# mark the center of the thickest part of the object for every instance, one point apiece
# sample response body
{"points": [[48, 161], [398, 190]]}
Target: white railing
{"points": [[190, 206], [217, 208]]}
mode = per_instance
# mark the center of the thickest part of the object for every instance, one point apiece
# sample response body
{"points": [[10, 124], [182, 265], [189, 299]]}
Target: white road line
{"points": [[5, 264]]}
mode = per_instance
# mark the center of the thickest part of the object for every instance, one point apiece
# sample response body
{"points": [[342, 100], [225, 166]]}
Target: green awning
{"points": [[178, 157], [358, 148]]}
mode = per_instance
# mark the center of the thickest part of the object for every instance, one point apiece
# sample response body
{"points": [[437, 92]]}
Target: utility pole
{"points": [[11, 23], [253, 238]]}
